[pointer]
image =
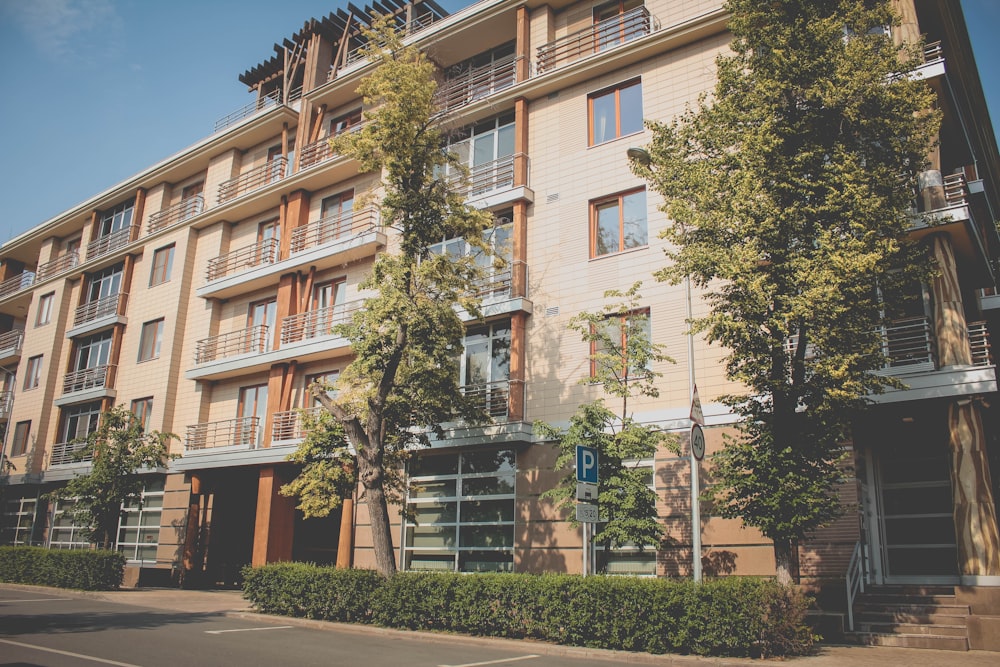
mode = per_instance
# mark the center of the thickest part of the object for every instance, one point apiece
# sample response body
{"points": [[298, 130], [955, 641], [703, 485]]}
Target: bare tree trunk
{"points": [[784, 561], [378, 512]]}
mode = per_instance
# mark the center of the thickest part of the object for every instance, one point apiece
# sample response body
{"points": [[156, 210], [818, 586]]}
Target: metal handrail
{"points": [[247, 257], [908, 341], [287, 425], [89, 378], [64, 453], [103, 307], [54, 267], [11, 339], [933, 52], [186, 208], [17, 283], [239, 432], [320, 150], [855, 579], [111, 242], [476, 83], [610, 32], [340, 226], [271, 171], [492, 397], [273, 98], [956, 190], [243, 341], [979, 344], [316, 323], [489, 176], [6, 404]]}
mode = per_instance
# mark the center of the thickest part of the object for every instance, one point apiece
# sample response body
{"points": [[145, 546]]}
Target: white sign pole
{"points": [[695, 490]]}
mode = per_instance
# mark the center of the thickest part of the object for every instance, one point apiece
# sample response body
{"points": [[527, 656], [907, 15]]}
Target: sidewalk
{"points": [[232, 603]]}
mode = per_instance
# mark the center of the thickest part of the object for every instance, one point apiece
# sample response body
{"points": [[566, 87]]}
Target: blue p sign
{"points": [[586, 464]]}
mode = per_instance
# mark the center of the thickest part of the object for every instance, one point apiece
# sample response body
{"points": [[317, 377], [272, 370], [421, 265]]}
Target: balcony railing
{"points": [[288, 425], [187, 208], [247, 257], [956, 190], [933, 52], [490, 176], [493, 397], [111, 242], [12, 340], [6, 404], [89, 378], [475, 83], [244, 341], [64, 453], [316, 323], [908, 342], [333, 228], [54, 267], [319, 151], [240, 432], [270, 172], [271, 99], [104, 307], [979, 344], [417, 23], [16, 283], [601, 36]]}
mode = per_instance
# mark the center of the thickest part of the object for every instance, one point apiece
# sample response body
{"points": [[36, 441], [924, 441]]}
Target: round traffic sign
{"points": [[697, 442]]}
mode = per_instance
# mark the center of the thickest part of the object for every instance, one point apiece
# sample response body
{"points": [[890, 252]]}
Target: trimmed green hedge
{"points": [[732, 616], [85, 570]]}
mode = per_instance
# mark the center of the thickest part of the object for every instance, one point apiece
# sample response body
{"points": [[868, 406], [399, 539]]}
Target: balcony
{"points": [[320, 151], [317, 323], [601, 36], [495, 397], [65, 453], [16, 284], [908, 345], [979, 344], [933, 62], [108, 244], [475, 83], [187, 208], [287, 426], [495, 183], [272, 99], [253, 340], [6, 404], [254, 179], [10, 345], [106, 308], [242, 433], [60, 264], [330, 229], [263, 252], [97, 377]]}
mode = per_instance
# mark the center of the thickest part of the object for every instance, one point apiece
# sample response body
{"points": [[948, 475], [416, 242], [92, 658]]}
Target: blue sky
{"points": [[97, 90]]}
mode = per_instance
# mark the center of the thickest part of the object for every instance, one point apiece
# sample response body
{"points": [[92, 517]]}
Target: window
{"points": [[336, 216], [461, 512], [346, 123], [139, 526], [486, 149], [65, 533], [329, 378], [251, 413], [33, 373], [19, 443], [485, 367], [149, 342], [615, 112], [163, 259], [18, 522], [116, 219], [618, 223], [142, 408], [44, 315], [104, 283], [496, 282], [261, 317], [628, 559], [617, 22], [93, 352], [613, 355]]}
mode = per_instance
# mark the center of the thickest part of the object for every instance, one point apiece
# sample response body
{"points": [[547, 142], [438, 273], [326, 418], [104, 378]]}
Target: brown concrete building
{"points": [[201, 293]]}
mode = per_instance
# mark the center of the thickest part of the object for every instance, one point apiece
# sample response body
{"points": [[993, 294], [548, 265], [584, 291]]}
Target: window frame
{"points": [[616, 91], [619, 199], [45, 304], [149, 349], [161, 271], [33, 372], [142, 410], [19, 438], [622, 319]]}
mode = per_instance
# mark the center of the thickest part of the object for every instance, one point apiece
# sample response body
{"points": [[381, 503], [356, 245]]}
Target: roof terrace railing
{"points": [[271, 99], [601, 36], [476, 83]]}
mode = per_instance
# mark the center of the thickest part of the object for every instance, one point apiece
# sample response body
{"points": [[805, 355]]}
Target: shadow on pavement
{"points": [[73, 622]]}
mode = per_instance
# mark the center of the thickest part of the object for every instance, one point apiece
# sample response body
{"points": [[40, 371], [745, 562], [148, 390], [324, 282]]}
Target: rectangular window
{"points": [[142, 408], [139, 527], [615, 112], [19, 443], [18, 522], [33, 372], [163, 259], [149, 342], [336, 216], [346, 123], [618, 223], [45, 309], [65, 533], [116, 219], [616, 331]]}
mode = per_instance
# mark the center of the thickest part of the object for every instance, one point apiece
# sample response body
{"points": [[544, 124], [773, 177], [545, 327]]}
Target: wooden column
{"points": [[975, 514], [949, 313], [517, 359], [274, 526], [523, 47], [137, 210], [345, 546], [276, 380], [193, 555], [296, 214]]}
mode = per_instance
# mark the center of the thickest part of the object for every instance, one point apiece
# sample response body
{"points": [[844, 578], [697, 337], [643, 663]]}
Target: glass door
{"points": [[253, 403]]}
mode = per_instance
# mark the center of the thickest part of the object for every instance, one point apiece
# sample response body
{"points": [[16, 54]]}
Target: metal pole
{"points": [[695, 490], [584, 550]]}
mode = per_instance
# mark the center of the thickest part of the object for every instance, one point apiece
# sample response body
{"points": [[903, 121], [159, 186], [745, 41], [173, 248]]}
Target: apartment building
{"points": [[201, 293]]}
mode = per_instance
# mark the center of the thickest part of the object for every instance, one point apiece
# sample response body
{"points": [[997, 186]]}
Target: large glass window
{"points": [[486, 150], [618, 223], [336, 216], [17, 525], [104, 283], [19, 443], [93, 351], [263, 314], [150, 340], [615, 112], [498, 238], [142, 408], [116, 219], [33, 372], [79, 421], [613, 27], [44, 315], [461, 512], [253, 404], [65, 532], [163, 259], [139, 527]]}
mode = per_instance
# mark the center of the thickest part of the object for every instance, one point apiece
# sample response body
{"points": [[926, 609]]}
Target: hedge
{"points": [[732, 616], [84, 570]]}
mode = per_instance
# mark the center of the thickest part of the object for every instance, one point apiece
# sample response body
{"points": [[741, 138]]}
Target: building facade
{"points": [[201, 293]]}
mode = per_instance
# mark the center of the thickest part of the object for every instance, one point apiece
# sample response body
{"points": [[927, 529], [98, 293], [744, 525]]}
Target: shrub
{"points": [[84, 570], [734, 616]]}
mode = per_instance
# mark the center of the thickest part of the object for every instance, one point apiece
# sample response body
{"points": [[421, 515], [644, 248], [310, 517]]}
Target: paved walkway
{"points": [[232, 603]]}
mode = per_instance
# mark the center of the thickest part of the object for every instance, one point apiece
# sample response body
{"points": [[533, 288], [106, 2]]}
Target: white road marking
{"points": [[38, 600], [494, 662], [272, 627], [68, 653]]}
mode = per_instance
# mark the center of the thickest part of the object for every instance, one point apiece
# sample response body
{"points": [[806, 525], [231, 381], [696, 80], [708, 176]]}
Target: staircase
{"points": [[910, 617]]}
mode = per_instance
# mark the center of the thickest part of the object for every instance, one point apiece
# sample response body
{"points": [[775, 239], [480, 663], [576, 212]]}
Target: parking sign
{"points": [[586, 464]]}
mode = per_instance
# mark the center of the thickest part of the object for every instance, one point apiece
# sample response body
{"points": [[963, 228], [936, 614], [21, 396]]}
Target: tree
{"points": [[790, 193], [119, 450], [622, 354], [403, 382]]}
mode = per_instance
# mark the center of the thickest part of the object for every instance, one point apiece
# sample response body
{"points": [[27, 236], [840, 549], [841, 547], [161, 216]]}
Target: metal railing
{"points": [[113, 241], [857, 576], [979, 344], [316, 323], [475, 83], [104, 307], [186, 208], [492, 397], [16, 283], [273, 98], [417, 23], [89, 378], [490, 176], [498, 284], [244, 341], [247, 257], [333, 228], [12, 340], [933, 52], [956, 190], [64, 453], [601, 36], [239, 432], [320, 150], [271, 171], [6, 404], [54, 267], [908, 342], [288, 425]]}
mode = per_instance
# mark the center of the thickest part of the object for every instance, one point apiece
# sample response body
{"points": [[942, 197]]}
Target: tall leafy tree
{"points": [[621, 360], [120, 450], [403, 383], [790, 190]]}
